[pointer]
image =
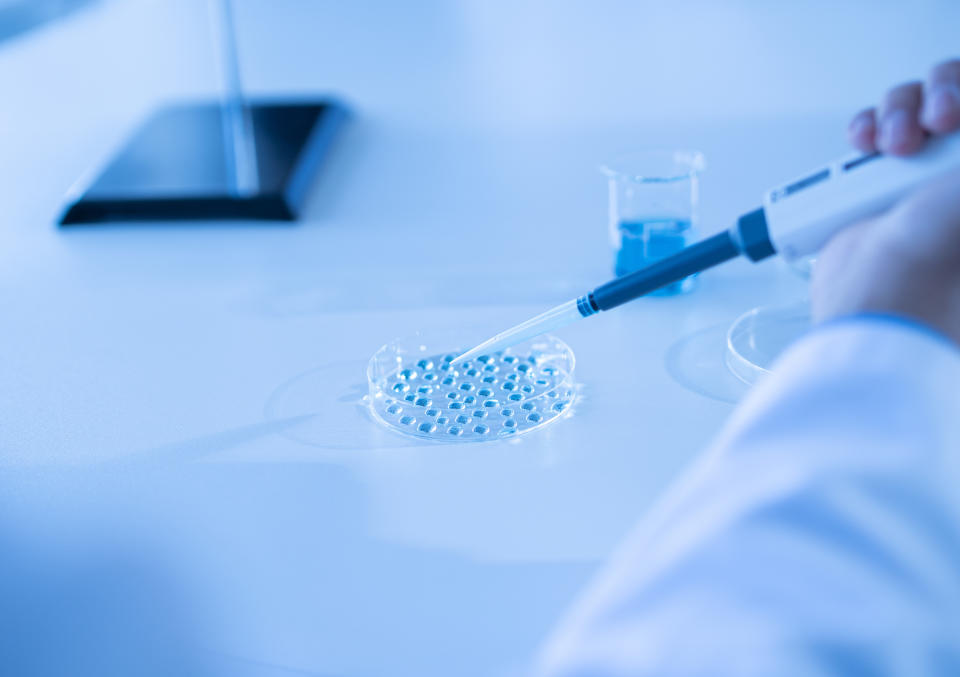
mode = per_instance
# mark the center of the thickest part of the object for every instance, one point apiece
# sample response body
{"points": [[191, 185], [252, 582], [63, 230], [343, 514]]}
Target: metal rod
{"points": [[239, 142]]}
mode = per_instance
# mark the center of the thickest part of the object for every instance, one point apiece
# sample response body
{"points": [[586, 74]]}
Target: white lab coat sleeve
{"points": [[819, 535]]}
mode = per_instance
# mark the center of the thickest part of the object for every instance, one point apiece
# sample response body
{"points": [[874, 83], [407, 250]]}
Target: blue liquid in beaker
{"points": [[644, 241]]}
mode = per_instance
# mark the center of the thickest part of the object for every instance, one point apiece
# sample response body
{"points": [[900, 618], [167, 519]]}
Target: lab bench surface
{"points": [[200, 384]]}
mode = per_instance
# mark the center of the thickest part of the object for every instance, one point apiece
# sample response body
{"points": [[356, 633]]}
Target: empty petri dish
{"points": [[757, 338], [542, 368]]}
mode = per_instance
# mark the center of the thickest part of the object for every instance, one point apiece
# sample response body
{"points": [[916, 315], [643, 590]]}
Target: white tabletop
{"points": [[202, 381]]}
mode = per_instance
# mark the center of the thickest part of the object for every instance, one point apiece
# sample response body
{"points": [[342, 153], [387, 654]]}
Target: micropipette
{"points": [[796, 220]]}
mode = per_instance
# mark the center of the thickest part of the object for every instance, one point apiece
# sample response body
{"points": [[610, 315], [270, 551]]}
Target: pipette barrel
{"points": [[695, 258], [747, 237]]}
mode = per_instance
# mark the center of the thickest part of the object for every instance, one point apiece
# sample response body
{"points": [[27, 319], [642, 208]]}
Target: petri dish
{"points": [[415, 390], [757, 338]]}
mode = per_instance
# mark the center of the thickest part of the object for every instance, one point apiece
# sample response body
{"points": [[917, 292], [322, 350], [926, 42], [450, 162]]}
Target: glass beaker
{"points": [[653, 198]]}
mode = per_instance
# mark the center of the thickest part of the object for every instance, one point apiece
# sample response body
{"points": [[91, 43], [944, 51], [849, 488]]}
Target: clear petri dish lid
{"points": [[757, 338], [415, 390]]}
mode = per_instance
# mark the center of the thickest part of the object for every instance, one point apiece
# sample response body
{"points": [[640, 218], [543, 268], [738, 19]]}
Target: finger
{"points": [[900, 132], [862, 131], [941, 98]]}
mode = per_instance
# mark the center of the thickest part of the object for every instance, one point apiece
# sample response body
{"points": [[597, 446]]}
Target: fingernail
{"points": [[942, 102], [895, 129]]}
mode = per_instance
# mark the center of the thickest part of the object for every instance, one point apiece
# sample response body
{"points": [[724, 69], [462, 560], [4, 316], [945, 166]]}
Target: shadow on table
{"points": [[698, 363]]}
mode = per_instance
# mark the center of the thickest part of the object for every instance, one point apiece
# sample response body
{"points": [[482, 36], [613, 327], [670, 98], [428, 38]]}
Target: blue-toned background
{"points": [[182, 460]]}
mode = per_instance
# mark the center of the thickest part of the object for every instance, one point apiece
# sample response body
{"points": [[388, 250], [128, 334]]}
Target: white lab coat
{"points": [[820, 535]]}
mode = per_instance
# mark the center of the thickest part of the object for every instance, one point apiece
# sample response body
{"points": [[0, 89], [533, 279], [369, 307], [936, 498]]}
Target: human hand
{"points": [[907, 261]]}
